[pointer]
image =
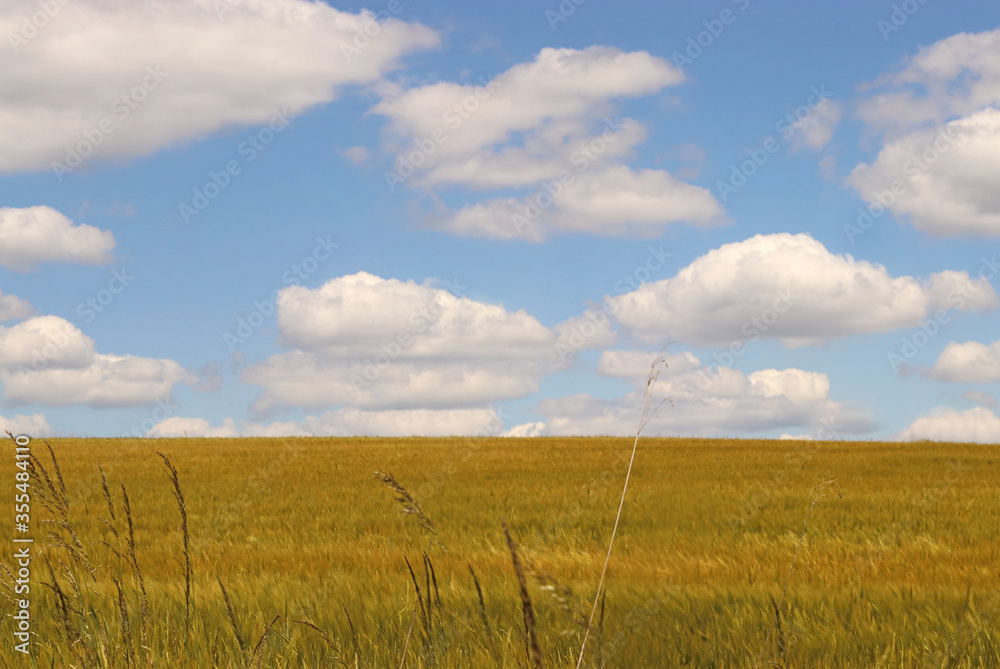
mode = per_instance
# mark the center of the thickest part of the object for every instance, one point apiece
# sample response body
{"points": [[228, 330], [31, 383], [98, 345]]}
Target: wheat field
{"points": [[295, 554]]}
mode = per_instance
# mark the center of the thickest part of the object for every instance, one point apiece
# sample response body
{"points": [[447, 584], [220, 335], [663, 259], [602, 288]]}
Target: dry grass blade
{"points": [[182, 507], [113, 523], [126, 627], [817, 494], [482, 603], [257, 658], [354, 634], [410, 505], [232, 616], [781, 632], [644, 417], [59, 476], [72, 635], [534, 649], [323, 635], [420, 601], [134, 560]]}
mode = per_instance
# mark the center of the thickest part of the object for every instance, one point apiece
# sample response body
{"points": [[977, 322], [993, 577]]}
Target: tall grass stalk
{"points": [[644, 417], [182, 507]]}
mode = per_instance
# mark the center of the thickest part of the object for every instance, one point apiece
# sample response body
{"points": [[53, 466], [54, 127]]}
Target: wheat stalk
{"points": [[182, 507], [531, 639]]}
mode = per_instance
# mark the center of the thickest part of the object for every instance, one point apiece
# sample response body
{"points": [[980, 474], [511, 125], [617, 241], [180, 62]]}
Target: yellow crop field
{"points": [[730, 553]]}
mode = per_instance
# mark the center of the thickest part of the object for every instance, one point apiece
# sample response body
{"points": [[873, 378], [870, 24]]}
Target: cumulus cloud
{"points": [[788, 287], [374, 343], [48, 360], [617, 201], [940, 114], [709, 401], [35, 235], [347, 422], [13, 308], [545, 127], [969, 362], [978, 425], [943, 179], [197, 66], [561, 87], [947, 79], [34, 425]]}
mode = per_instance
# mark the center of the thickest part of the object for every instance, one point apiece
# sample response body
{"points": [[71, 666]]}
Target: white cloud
{"points": [[546, 126], [709, 401], [48, 360], [13, 308], [352, 315], [939, 114], [177, 426], [788, 287], [617, 201], [41, 234], [535, 429], [34, 425], [950, 78], [970, 362], [977, 425], [44, 341], [345, 423], [980, 398], [374, 343], [560, 88], [404, 423], [590, 331], [302, 379], [215, 69], [816, 130], [945, 179], [358, 155]]}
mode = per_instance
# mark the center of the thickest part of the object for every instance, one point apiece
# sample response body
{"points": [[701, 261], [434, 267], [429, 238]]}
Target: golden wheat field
{"points": [[730, 553]]}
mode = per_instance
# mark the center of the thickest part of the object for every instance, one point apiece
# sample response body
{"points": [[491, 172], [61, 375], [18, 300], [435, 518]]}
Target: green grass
{"points": [[902, 571]]}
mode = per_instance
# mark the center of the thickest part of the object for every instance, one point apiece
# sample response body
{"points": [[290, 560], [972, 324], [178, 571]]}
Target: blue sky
{"points": [[490, 219]]}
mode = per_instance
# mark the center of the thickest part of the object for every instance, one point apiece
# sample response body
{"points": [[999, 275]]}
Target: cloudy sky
{"points": [[291, 217]]}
